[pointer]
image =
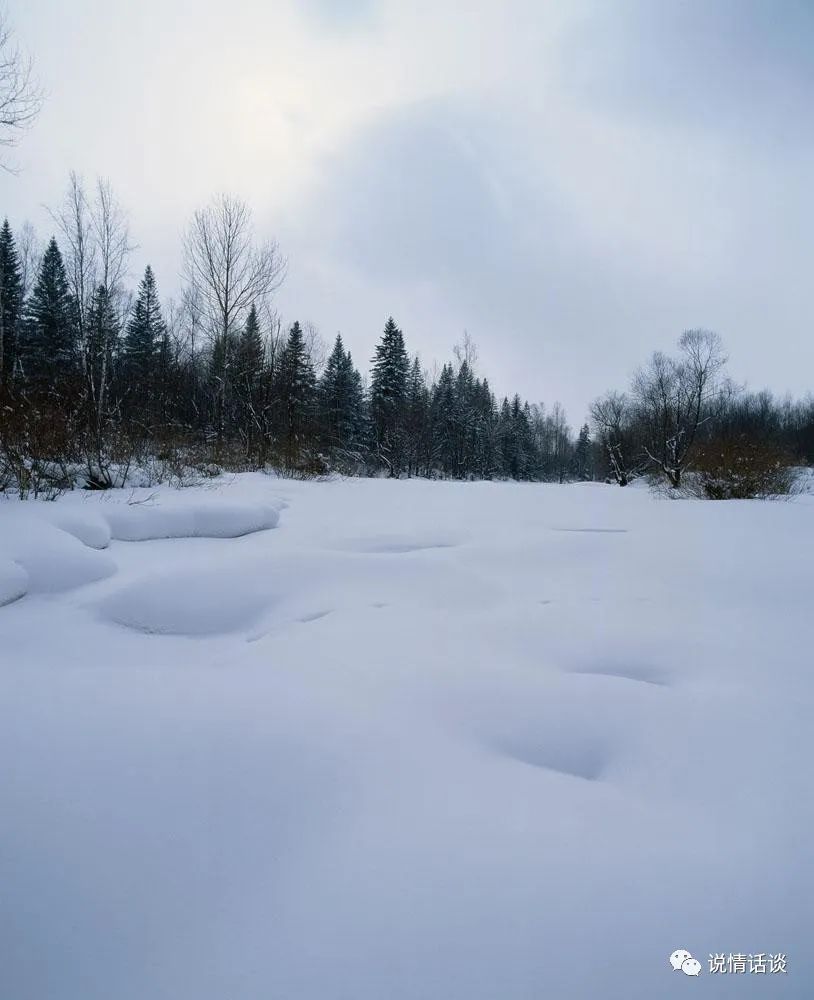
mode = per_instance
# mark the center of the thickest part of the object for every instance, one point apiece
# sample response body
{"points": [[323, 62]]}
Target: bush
{"points": [[736, 468]]}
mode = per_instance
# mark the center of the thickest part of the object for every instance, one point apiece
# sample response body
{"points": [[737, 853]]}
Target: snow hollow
{"points": [[381, 740]]}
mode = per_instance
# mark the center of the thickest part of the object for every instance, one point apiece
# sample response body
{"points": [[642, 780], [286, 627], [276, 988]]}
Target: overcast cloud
{"points": [[573, 183]]}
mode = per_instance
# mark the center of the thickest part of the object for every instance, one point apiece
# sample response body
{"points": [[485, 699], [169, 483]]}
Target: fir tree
{"points": [[11, 301], [485, 433], [388, 393], [50, 343], [443, 421], [296, 394], [518, 455], [464, 419], [417, 420], [249, 353], [143, 339], [583, 460], [341, 406], [145, 348], [249, 369]]}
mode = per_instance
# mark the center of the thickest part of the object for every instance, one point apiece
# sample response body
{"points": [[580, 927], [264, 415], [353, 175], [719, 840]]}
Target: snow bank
{"points": [[57, 546], [87, 525], [13, 581], [52, 559], [216, 519]]}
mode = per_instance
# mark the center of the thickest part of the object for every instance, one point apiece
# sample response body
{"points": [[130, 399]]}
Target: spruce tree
{"points": [[464, 418], [296, 395], [249, 352], [11, 301], [485, 430], [249, 367], [417, 420], [49, 346], [443, 421], [341, 405], [388, 393], [145, 331], [517, 439], [583, 463]]}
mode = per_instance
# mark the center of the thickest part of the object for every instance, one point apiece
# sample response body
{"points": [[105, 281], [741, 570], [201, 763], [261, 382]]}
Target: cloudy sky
{"points": [[573, 182]]}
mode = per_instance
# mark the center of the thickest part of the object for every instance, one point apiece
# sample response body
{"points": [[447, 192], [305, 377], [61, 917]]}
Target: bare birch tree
{"points": [[20, 95], [111, 235], [230, 271], [29, 251], [75, 223]]}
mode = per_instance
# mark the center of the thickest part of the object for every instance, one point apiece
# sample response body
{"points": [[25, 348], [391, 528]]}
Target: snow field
{"points": [[421, 741]]}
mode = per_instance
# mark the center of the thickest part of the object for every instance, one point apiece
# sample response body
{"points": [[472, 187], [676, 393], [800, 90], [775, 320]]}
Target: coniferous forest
{"points": [[104, 384], [99, 380]]}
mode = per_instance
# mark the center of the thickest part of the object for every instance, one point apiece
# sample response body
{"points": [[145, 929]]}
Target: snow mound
{"points": [[52, 559], [13, 581], [89, 527], [141, 522], [187, 603]]}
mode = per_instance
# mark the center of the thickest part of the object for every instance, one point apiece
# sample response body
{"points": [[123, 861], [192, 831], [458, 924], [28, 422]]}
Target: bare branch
{"points": [[20, 94]]}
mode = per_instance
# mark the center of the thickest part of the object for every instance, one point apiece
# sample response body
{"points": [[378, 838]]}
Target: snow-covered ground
{"points": [[371, 740]]}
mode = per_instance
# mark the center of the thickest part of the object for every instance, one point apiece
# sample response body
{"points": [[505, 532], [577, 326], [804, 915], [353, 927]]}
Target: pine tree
{"points": [[50, 344], [463, 422], [222, 376], [11, 302], [296, 393], [341, 406], [388, 393], [444, 421], [142, 343], [583, 462], [249, 367], [249, 352], [485, 435], [519, 459], [417, 421]]}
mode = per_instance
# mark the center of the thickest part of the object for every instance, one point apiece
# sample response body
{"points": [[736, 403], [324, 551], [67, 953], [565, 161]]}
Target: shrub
{"points": [[737, 468]]}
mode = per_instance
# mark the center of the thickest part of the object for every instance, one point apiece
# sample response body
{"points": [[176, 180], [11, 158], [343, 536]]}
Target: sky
{"points": [[573, 183]]}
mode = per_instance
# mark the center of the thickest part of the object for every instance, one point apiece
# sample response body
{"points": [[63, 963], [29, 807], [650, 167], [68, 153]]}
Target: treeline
{"points": [[97, 383], [685, 423], [100, 385]]}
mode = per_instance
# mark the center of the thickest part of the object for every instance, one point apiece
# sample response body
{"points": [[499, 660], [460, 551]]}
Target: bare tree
{"points": [[79, 250], [20, 96], [315, 346], [29, 251], [466, 352], [229, 272], [111, 233], [613, 423], [272, 325], [673, 395], [226, 266]]}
